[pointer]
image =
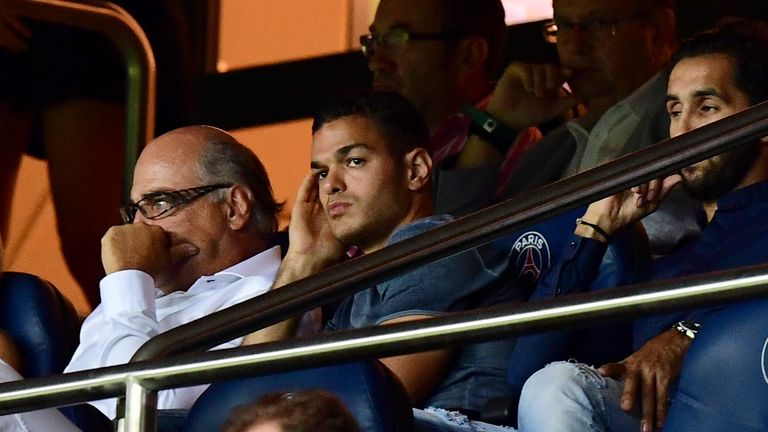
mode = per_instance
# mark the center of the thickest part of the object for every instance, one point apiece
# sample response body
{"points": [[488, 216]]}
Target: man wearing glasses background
{"points": [[194, 242], [611, 53], [443, 55]]}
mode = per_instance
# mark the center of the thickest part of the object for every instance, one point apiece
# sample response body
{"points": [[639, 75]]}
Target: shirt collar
{"points": [[757, 192], [264, 264]]}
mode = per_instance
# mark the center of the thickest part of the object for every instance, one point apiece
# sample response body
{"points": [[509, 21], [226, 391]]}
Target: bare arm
{"points": [[419, 373]]}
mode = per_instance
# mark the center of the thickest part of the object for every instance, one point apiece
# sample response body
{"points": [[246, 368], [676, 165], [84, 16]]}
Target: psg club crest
{"points": [[764, 361], [532, 257]]}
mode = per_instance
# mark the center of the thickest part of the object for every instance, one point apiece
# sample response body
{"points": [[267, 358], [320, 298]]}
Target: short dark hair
{"points": [[745, 42], [393, 115], [228, 161], [484, 18], [308, 410]]}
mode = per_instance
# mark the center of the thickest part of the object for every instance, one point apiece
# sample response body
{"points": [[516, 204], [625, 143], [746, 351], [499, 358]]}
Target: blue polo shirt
{"points": [[465, 281]]}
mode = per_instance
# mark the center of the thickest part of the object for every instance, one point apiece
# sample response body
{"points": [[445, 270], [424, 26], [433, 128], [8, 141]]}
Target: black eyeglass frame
{"points": [[368, 42], [177, 199]]}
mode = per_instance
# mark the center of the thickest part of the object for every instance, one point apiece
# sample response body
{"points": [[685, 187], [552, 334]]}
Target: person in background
{"points": [[302, 411]]}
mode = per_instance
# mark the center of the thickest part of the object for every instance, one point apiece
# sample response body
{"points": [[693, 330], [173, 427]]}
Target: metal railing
{"points": [[142, 380], [125, 33]]}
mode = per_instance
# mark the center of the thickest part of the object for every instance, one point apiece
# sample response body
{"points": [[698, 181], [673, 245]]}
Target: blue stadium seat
{"points": [[375, 398], [724, 382], [42, 322]]}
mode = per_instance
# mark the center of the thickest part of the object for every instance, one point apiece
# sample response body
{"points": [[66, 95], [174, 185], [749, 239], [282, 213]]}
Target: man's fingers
{"points": [[566, 102], [654, 190], [662, 394], [629, 391], [539, 81], [308, 189], [649, 403], [182, 251], [553, 76], [668, 183], [612, 370], [524, 75]]}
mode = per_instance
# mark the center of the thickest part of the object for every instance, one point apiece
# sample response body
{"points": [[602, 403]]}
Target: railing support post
{"points": [[122, 30], [140, 408]]}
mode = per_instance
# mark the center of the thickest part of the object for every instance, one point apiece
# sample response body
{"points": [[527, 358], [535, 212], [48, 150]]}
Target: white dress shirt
{"points": [[133, 310]]}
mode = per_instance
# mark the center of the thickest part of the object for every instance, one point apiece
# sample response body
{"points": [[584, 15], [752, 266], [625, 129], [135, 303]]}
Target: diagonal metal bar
{"points": [[480, 227]]}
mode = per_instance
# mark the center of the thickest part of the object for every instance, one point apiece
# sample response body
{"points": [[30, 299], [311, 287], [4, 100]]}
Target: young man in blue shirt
{"points": [[370, 186], [714, 75]]}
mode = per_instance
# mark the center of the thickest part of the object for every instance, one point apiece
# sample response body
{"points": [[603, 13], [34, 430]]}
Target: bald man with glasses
{"points": [[193, 243]]}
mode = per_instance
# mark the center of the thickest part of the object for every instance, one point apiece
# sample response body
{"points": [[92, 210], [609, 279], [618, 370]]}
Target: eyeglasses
{"points": [[396, 40], [158, 204], [592, 28]]}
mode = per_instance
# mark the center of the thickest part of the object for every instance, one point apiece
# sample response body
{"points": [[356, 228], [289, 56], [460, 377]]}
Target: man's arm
{"points": [[525, 96], [648, 374], [132, 255], [312, 247], [419, 373]]}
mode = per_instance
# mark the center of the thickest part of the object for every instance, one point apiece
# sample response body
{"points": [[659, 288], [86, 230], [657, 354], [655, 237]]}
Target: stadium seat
{"points": [[42, 322], [723, 385]]}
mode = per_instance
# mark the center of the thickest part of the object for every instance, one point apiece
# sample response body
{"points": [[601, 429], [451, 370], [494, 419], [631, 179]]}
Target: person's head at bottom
{"points": [[302, 411]]}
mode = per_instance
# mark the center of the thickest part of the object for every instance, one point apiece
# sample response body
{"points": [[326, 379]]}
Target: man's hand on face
{"points": [[530, 94], [142, 247], [625, 208], [649, 372], [310, 237]]}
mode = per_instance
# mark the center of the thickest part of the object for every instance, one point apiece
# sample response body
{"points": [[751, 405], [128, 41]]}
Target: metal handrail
{"points": [[473, 230], [122, 30], [383, 341]]}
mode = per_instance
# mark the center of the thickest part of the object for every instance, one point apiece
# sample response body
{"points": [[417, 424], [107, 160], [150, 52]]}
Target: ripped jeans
{"points": [[439, 420], [573, 397]]}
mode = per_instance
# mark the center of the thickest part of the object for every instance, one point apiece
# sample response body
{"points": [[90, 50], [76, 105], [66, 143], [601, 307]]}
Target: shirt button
{"points": [[557, 291], [573, 244]]}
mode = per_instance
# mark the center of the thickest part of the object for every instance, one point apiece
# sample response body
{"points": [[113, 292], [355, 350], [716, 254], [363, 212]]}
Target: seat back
{"points": [[724, 385], [42, 322], [373, 396]]}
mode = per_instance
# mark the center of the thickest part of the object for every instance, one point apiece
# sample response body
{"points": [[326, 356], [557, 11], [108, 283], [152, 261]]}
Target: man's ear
{"points": [[239, 206], [418, 165], [472, 55]]}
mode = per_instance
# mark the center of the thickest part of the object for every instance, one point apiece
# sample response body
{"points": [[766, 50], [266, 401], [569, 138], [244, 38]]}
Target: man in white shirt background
{"points": [[194, 243]]}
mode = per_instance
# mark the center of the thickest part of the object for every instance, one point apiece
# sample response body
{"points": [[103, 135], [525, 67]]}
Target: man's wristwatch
{"points": [[489, 129], [688, 328]]}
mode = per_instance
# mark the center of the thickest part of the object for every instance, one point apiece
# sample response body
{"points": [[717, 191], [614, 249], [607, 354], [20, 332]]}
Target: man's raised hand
{"points": [[142, 247], [625, 208], [310, 235], [529, 94]]}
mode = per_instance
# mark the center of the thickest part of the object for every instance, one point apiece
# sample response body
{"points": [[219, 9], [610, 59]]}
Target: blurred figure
{"points": [[444, 55], [62, 100], [303, 411]]}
